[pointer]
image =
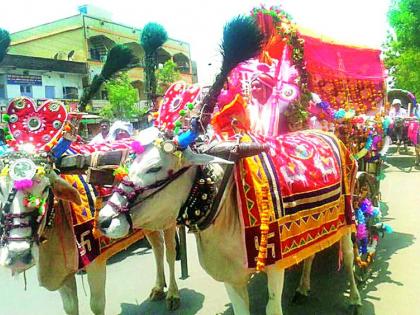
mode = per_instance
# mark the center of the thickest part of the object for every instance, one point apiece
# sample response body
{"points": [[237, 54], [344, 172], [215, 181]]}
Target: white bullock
{"points": [[166, 181], [22, 245]]}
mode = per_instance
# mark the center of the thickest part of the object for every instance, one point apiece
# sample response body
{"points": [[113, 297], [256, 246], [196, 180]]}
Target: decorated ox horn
{"points": [[203, 159], [83, 161], [233, 151]]}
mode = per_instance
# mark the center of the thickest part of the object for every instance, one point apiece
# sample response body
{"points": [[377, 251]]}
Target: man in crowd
{"points": [[100, 137], [397, 111]]}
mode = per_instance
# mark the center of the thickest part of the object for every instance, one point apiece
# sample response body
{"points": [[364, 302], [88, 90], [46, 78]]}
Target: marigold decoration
{"points": [[121, 172], [264, 215]]}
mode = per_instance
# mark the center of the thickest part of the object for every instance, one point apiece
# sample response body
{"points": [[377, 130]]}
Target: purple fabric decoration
{"points": [[137, 147], [361, 232], [366, 207], [22, 184], [324, 105]]}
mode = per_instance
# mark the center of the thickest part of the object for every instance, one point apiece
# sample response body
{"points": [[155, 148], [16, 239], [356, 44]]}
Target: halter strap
{"points": [[132, 195]]}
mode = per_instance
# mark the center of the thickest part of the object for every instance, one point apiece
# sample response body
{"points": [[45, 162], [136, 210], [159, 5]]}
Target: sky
{"points": [[200, 23]]}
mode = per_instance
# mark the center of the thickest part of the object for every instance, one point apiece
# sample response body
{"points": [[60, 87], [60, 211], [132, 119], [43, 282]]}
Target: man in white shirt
{"points": [[397, 111], [101, 137]]}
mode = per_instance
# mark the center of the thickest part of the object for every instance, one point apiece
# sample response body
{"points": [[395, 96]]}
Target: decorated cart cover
{"points": [[36, 129], [287, 197]]}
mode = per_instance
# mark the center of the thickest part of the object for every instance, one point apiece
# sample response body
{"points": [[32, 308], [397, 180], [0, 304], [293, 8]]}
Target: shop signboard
{"points": [[22, 79]]}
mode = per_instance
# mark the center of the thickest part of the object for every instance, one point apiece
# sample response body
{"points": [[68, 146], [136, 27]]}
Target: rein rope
{"points": [[7, 221], [136, 190]]}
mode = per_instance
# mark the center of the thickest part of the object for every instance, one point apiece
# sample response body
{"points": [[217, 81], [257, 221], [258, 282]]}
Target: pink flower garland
{"points": [[22, 184]]}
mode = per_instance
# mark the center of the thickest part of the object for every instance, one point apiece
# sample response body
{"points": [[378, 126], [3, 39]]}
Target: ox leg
{"points": [[156, 240], [96, 273], [304, 288], [172, 296], [275, 281], [68, 294], [348, 261], [238, 296]]}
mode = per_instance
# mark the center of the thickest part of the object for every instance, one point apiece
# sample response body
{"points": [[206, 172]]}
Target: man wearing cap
{"points": [[397, 111]]}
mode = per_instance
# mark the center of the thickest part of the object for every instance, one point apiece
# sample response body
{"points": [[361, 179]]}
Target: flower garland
{"points": [[279, 23], [264, 228], [368, 227]]}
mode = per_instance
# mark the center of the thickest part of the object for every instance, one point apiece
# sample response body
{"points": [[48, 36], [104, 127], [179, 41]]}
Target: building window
{"points": [[26, 90], [95, 54], [49, 91], [2, 91], [70, 92]]}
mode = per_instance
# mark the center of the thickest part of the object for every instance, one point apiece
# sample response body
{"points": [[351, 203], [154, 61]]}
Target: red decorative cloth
{"points": [[29, 123]]}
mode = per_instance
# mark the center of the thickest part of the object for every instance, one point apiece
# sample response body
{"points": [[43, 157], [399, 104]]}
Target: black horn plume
{"points": [[242, 40]]}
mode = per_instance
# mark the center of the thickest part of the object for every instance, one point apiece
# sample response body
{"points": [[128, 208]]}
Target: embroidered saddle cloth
{"points": [[296, 199]]}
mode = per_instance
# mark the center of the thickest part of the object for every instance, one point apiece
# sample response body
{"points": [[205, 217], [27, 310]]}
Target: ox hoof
{"points": [[299, 298], [173, 303], [355, 310], [157, 294]]}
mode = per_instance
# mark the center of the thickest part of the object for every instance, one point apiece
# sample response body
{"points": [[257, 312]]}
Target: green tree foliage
{"points": [[4, 43], [153, 36], [122, 97], [166, 76], [402, 51]]}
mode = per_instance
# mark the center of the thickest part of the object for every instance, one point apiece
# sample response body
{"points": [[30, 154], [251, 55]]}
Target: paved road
{"points": [[393, 288]]}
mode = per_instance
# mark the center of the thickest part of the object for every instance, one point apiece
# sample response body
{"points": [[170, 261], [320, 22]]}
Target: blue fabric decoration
{"points": [[360, 217], [186, 138], [369, 143], [386, 123], [4, 149], [364, 245], [189, 136], [387, 229], [340, 114], [61, 147]]}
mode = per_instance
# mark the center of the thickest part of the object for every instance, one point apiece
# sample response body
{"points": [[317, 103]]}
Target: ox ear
{"points": [[63, 190], [202, 159]]}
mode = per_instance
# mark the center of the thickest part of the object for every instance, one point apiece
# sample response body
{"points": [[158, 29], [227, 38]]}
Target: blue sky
{"points": [[359, 22]]}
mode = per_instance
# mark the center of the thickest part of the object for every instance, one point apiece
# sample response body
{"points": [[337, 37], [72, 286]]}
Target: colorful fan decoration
{"points": [[32, 124], [178, 99]]}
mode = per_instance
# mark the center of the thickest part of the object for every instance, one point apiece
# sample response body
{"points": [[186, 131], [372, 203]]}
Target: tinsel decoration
{"points": [[264, 228], [23, 184], [120, 172], [4, 43], [242, 40], [119, 57], [137, 147]]}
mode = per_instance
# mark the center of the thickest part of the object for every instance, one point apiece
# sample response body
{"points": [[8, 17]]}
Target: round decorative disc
{"points": [[22, 169]]}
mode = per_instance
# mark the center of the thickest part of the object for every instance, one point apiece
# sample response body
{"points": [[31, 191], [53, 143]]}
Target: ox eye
{"points": [[154, 169]]}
